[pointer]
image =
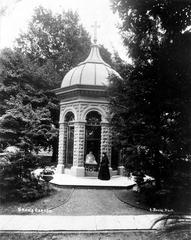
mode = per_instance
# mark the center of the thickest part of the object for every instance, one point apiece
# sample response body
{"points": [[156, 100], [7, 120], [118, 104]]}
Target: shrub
{"points": [[16, 180]]}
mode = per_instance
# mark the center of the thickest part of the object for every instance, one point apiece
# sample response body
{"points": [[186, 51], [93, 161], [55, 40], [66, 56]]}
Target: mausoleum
{"points": [[84, 117]]}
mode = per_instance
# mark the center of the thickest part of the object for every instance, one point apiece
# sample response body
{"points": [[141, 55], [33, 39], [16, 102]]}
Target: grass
{"points": [[156, 203], [41, 206]]}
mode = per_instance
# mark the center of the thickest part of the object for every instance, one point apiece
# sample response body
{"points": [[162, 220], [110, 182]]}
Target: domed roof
{"points": [[93, 71]]}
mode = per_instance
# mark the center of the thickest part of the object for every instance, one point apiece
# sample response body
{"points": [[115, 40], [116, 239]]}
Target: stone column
{"points": [[79, 145], [106, 140], [62, 148]]}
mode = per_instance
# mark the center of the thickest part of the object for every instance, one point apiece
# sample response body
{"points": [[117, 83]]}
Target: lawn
{"points": [[57, 197], [161, 203]]}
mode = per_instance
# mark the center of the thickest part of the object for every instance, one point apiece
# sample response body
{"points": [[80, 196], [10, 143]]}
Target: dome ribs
{"points": [[80, 82], [72, 76], [95, 74], [93, 71]]}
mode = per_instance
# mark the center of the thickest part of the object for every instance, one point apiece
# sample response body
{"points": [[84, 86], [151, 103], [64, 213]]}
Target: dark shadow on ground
{"points": [[155, 203]]}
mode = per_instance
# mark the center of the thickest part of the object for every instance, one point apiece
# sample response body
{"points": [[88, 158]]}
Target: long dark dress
{"points": [[104, 169]]}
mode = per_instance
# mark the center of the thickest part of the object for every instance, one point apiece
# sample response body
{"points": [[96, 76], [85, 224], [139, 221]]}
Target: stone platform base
{"points": [[77, 171], [60, 169], [65, 180], [95, 174], [83, 172]]}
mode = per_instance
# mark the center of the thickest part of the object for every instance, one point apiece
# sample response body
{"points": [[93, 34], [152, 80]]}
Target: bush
{"points": [[16, 180], [139, 177], [176, 197], [48, 171]]}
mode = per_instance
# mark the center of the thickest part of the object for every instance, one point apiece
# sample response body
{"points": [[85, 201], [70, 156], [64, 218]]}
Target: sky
{"points": [[17, 13]]}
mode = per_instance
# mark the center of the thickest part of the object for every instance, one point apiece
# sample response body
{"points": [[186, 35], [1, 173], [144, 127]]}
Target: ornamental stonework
{"points": [[93, 107], [81, 109], [64, 109], [105, 107], [106, 140], [79, 144], [62, 143], [83, 106]]}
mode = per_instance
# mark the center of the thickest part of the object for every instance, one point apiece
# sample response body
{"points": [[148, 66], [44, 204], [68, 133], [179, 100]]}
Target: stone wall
{"points": [[62, 143], [106, 140], [79, 144], [80, 109]]}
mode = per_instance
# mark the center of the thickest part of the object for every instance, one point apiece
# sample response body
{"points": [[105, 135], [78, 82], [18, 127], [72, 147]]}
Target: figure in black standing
{"points": [[104, 168]]}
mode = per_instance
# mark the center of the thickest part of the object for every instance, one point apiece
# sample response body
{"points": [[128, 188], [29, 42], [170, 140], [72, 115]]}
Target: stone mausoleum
{"points": [[84, 117]]}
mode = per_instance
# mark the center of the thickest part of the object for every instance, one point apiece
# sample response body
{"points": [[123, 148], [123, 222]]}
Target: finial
{"points": [[95, 26]]}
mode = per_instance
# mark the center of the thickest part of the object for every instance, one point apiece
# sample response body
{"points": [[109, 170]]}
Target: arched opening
{"points": [[93, 134], [69, 120]]}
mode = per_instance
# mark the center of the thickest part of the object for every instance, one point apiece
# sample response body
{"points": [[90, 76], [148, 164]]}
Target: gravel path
{"points": [[95, 202]]}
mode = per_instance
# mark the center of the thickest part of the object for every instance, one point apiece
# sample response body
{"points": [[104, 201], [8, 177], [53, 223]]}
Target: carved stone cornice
{"points": [[75, 91]]}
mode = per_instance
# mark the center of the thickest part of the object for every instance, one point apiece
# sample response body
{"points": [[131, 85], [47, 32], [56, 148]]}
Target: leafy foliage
{"points": [[54, 44], [30, 121], [16, 180], [30, 111], [151, 103]]}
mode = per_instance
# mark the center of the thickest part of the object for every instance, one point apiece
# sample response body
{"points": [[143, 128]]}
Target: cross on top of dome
{"points": [[95, 27], [92, 71]]}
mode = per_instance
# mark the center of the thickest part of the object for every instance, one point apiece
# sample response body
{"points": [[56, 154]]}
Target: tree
{"points": [[29, 121], [17, 182], [54, 43], [152, 101], [49, 48]]}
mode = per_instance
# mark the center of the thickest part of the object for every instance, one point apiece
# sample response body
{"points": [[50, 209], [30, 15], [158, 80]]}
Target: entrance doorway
{"points": [[93, 134]]}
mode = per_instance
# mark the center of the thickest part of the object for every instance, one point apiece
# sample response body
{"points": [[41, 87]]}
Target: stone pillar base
{"points": [[121, 170], [78, 171], [60, 168]]}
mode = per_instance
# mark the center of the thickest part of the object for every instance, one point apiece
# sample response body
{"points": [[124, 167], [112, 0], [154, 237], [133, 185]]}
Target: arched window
{"points": [[69, 119], [93, 134], [93, 118]]}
